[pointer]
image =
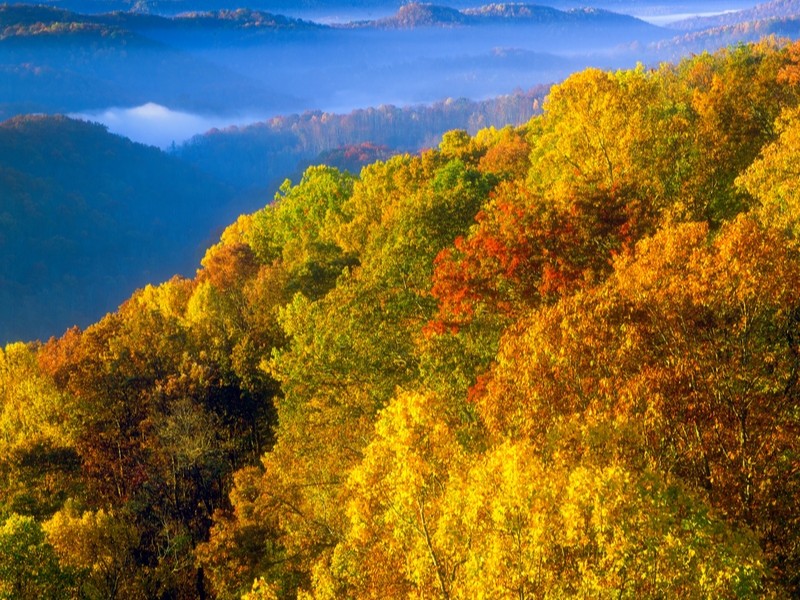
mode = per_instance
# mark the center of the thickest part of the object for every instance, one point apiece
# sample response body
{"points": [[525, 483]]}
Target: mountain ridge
{"points": [[776, 9], [423, 14], [78, 221]]}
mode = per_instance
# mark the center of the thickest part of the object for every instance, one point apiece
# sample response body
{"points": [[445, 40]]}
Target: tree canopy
{"points": [[557, 360]]}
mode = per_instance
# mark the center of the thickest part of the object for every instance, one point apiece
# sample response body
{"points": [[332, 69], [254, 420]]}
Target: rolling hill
{"points": [[86, 217]]}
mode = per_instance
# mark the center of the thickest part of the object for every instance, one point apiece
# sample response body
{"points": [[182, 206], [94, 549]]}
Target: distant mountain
{"points": [[24, 19], [248, 64], [86, 217], [417, 14], [546, 14], [309, 8], [242, 18], [56, 61], [777, 9], [718, 37], [516, 11], [174, 7], [780, 18]]}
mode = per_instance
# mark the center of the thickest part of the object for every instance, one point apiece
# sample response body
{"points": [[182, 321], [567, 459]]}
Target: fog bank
{"points": [[157, 125]]}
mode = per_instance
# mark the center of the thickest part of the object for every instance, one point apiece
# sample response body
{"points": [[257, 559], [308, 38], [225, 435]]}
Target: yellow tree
{"points": [[98, 546], [39, 465], [395, 545], [772, 178], [348, 351], [539, 523], [507, 155], [735, 96], [605, 132], [432, 518]]}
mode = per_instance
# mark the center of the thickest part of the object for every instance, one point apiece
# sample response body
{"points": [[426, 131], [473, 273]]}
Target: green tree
{"points": [[298, 228], [29, 568], [360, 340]]}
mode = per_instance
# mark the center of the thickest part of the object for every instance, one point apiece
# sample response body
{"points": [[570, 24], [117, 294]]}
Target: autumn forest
{"points": [[551, 361]]}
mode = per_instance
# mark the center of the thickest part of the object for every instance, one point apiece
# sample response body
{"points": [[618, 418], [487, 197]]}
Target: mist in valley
{"points": [[225, 68], [156, 125], [211, 76], [342, 70]]}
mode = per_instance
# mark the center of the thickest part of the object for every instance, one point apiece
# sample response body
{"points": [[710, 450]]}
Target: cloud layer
{"points": [[158, 125]]}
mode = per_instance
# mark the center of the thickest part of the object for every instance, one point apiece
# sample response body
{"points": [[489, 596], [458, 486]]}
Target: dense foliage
{"points": [[559, 360]]}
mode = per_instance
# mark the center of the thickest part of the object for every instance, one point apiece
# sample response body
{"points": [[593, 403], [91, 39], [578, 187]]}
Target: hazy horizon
{"points": [[356, 70], [156, 125]]}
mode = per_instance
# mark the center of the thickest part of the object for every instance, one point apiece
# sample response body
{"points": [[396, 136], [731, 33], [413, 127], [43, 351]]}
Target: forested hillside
{"points": [[86, 216], [55, 61], [558, 360], [771, 10], [260, 155]]}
